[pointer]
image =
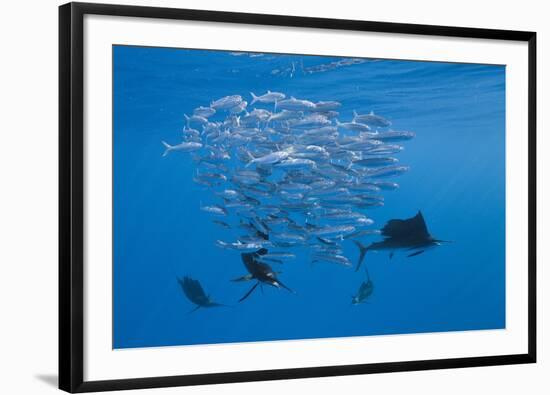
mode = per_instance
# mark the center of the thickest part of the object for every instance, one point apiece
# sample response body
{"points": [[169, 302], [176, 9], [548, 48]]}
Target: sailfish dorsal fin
{"points": [[414, 227]]}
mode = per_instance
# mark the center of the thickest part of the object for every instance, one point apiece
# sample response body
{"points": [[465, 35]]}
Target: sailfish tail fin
{"points": [[195, 309], [285, 287], [246, 295], [362, 252]]}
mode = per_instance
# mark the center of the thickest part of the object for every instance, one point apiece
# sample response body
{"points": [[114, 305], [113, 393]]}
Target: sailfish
{"points": [[259, 271], [410, 234], [194, 292], [365, 290]]}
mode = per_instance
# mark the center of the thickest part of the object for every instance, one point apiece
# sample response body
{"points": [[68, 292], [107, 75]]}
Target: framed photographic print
{"points": [[257, 197]]}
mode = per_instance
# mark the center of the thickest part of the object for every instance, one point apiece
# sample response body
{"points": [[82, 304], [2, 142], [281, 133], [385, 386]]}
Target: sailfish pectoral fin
{"points": [[248, 277], [415, 253], [246, 295]]}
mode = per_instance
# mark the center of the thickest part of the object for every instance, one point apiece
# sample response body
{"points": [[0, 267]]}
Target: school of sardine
{"points": [[288, 172]]}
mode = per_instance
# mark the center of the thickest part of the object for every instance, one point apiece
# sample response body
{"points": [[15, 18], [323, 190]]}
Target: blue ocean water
{"points": [[456, 177]]}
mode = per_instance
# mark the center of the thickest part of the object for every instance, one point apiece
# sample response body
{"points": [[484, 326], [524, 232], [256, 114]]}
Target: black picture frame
{"points": [[71, 196]]}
